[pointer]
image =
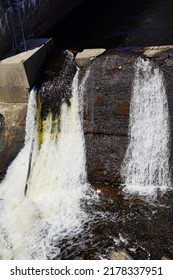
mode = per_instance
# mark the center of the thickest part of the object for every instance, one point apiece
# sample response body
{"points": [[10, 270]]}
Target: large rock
{"points": [[106, 115], [12, 132], [119, 255], [106, 109], [165, 258]]}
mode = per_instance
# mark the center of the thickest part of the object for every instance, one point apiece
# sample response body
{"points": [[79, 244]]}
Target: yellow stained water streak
{"points": [[46, 125]]}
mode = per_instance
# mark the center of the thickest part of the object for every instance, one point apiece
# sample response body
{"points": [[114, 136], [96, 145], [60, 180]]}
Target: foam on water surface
{"points": [[31, 225], [146, 163]]}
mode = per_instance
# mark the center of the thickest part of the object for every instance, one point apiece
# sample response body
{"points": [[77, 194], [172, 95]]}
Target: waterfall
{"points": [[146, 162], [31, 225]]}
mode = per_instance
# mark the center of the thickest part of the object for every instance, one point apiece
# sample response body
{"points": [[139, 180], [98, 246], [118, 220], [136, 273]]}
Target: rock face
{"points": [[106, 115], [12, 132], [106, 110], [165, 62]]}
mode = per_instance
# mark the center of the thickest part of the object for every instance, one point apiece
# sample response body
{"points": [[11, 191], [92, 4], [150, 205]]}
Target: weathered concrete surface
{"points": [[87, 55], [12, 132], [18, 73]]}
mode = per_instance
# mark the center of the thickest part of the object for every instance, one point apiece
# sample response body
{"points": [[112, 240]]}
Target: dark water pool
{"points": [[142, 227], [113, 24]]}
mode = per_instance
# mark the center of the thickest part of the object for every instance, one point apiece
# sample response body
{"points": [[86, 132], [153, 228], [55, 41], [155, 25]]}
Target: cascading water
{"points": [[31, 225], [146, 162]]}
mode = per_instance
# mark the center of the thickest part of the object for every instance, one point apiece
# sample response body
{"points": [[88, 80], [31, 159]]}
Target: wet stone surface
{"points": [[56, 87], [106, 114]]}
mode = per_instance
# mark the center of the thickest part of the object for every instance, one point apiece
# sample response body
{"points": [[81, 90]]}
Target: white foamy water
{"points": [[146, 162], [31, 225]]}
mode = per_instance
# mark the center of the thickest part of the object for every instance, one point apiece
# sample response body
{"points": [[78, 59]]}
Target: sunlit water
{"points": [[32, 225], [146, 162]]}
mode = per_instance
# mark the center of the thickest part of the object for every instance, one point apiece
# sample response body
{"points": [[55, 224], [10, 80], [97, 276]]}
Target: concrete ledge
{"points": [[18, 73], [155, 50], [84, 57]]}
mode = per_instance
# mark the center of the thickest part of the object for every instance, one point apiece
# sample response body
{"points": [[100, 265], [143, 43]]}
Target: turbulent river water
{"points": [[54, 213], [57, 184]]}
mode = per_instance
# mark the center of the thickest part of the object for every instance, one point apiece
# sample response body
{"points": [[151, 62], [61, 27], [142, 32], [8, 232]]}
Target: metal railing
{"points": [[17, 25]]}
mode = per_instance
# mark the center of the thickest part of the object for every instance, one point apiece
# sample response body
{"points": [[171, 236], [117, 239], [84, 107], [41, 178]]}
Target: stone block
{"points": [[87, 55]]}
